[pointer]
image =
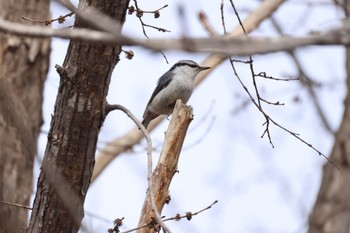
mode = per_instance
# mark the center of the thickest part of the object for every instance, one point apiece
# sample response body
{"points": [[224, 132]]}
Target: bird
{"points": [[176, 83]]}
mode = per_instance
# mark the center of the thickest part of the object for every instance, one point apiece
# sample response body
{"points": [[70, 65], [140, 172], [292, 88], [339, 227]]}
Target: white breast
{"points": [[180, 87]]}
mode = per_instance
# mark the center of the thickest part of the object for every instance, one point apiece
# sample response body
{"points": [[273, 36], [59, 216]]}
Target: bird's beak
{"points": [[204, 68]]}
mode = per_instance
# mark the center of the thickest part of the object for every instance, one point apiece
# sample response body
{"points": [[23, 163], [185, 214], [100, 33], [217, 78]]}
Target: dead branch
{"points": [[167, 164], [225, 45], [151, 192], [177, 217], [189, 215], [139, 14], [306, 82], [16, 205], [60, 19]]}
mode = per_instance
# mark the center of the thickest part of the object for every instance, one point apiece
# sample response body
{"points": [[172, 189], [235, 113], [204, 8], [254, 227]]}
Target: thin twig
{"points": [[139, 14], [176, 217], [16, 205], [250, 57], [223, 17], [155, 11], [266, 131], [240, 61], [277, 103], [257, 103], [306, 82], [250, 63], [60, 19], [189, 215], [264, 75], [157, 217]]}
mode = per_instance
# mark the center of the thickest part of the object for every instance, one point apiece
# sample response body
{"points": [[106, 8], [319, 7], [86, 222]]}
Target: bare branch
{"points": [[226, 45], [139, 14], [59, 19], [189, 215], [223, 16], [306, 82], [264, 75], [16, 205], [167, 164], [149, 156], [177, 217], [259, 99]]}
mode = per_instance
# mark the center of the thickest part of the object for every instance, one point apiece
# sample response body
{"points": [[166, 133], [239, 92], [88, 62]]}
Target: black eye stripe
{"points": [[184, 64]]}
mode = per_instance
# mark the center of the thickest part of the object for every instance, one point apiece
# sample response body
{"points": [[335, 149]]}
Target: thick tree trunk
{"points": [[23, 68], [331, 212], [78, 117]]}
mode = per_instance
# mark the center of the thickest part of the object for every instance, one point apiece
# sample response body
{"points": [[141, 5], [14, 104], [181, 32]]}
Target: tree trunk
{"points": [[24, 64], [331, 212], [78, 116]]}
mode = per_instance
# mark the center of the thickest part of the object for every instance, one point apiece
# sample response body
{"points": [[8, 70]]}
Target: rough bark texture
{"points": [[23, 68], [167, 164], [331, 213], [78, 117]]}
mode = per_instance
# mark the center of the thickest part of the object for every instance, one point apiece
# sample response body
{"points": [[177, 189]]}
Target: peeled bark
{"points": [[166, 167], [78, 116], [24, 64]]}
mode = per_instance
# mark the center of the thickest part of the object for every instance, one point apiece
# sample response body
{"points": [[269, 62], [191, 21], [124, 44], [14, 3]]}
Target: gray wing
{"points": [[162, 83]]}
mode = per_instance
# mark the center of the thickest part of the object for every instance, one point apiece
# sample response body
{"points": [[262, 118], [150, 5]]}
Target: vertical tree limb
{"points": [[78, 116], [24, 63], [331, 212], [167, 164]]}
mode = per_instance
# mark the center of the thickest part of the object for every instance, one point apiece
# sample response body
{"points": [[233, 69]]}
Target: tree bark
{"points": [[166, 167], [24, 64], [331, 212], [78, 116]]}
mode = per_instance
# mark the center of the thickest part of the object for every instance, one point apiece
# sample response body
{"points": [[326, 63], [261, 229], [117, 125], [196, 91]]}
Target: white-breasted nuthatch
{"points": [[176, 83]]}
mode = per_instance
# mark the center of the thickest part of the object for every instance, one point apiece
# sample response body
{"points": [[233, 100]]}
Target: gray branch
{"points": [[226, 45]]}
